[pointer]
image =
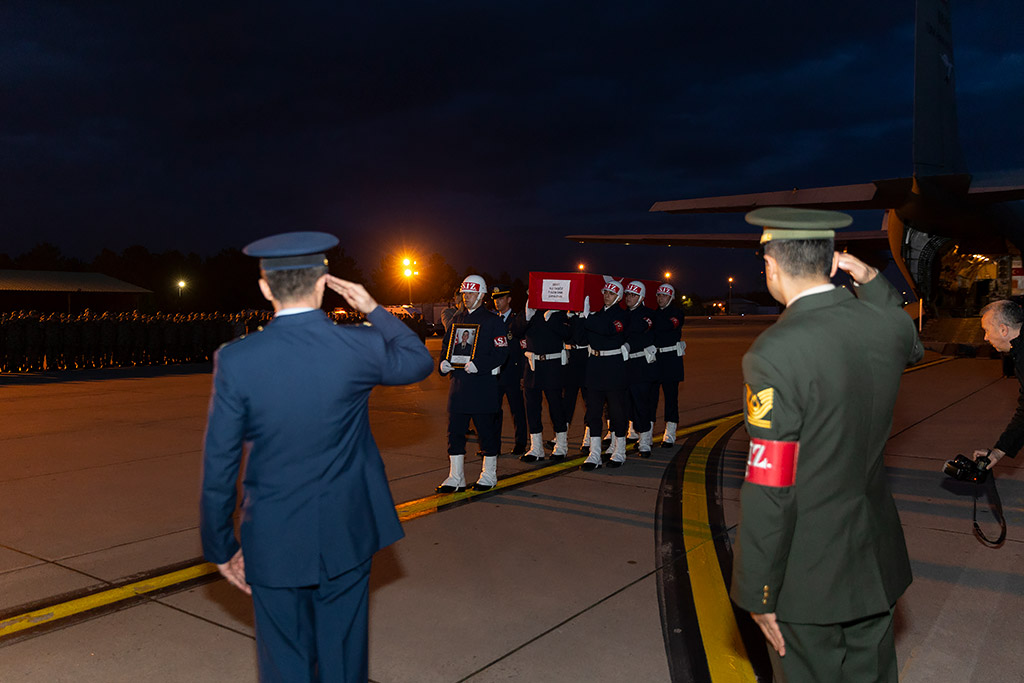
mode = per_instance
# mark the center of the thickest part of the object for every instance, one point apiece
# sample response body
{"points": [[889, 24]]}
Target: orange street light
{"points": [[668, 274], [729, 309], [581, 266]]}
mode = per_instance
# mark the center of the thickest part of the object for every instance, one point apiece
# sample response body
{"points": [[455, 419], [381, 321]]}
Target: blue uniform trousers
{"points": [[671, 391], [314, 633], [555, 409]]}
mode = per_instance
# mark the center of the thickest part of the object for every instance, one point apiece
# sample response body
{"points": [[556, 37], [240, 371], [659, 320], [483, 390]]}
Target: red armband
{"points": [[772, 463]]}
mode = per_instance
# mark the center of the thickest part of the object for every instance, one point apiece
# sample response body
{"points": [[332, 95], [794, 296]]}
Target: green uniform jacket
{"points": [[829, 548]]}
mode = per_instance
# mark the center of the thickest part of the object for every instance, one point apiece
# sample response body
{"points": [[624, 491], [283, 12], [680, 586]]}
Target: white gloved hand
{"points": [[547, 315], [529, 311], [471, 368], [446, 367], [586, 307]]}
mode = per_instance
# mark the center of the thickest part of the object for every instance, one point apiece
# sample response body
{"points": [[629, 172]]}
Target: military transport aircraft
{"points": [[936, 222]]}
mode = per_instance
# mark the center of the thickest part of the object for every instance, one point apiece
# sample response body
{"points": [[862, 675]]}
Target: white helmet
{"points": [[668, 290], [615, 287], [638, 288], [473, 284]]}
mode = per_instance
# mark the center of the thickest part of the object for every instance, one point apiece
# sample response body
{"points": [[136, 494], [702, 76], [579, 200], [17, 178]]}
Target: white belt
{"points": [[667, 349], [574, 347], [608, 352], [532, 358], [638, 354]]}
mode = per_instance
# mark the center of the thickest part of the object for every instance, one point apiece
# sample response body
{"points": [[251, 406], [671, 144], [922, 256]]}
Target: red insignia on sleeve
{"points": [[522, 344], [675, 322], [772, 463], [649, 323], [618, 325], [501, 342]]}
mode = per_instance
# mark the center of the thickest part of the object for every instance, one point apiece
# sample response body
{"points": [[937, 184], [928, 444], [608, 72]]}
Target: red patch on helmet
{"points": [[772, 463], [470, 286], [501, 342], [618, 325]]}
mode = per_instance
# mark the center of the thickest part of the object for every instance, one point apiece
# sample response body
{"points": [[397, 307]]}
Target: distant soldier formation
{"points": [[31, 341]]}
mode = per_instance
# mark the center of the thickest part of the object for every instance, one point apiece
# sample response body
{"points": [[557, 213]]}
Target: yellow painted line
{"points": [[425, 506], [727, 658], [108, 597], [406, 511]]}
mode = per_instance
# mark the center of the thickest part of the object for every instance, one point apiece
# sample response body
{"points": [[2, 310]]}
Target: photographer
{"points": [[1002, 321]]}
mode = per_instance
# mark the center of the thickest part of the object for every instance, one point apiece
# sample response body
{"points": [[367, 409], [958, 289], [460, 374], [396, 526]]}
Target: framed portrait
{"points": [[462, 344]]}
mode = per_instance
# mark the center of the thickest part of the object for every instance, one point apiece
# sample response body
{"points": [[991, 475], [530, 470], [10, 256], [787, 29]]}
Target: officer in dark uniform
{"points": [[543, 374], [574, 374], [316, 504], [668, 330], [606, 374], [820, 556], [510, 381], [473, 392], [641, 371]]}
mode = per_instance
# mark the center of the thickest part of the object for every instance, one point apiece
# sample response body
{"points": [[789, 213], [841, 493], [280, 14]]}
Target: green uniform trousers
{"points": [[859, 651]]}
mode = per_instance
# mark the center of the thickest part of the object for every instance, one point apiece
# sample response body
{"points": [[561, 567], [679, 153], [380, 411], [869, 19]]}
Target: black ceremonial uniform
{"points": [[475, 395], [510, 381], [668, 332], [641, 371], [575, 371], [605, 377], [544, 367]]}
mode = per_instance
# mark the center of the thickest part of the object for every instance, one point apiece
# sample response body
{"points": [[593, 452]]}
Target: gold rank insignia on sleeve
{"points": [[759, 407]]}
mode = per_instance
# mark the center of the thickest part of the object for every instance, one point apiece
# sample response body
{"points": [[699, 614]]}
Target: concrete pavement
{"points": [[560, 579]]}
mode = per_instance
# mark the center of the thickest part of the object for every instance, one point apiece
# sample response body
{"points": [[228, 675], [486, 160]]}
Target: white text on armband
{"points": [[772, 463]]}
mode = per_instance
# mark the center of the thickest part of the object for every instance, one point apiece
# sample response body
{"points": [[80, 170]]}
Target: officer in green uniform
{"points": [[820, 557]]}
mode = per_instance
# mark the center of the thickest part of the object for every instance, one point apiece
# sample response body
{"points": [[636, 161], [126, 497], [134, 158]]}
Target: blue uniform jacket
{"points": [[315, 490]]}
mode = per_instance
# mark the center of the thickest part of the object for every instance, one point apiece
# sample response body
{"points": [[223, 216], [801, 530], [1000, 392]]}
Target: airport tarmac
{"points": [[561, 575]]}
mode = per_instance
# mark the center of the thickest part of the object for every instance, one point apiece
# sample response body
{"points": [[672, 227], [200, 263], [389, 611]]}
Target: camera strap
{"points": [[996, 505]]}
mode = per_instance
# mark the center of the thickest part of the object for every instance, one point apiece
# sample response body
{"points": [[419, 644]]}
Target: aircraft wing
{"points": [[880, 194], [865, 238], [995, 195]]}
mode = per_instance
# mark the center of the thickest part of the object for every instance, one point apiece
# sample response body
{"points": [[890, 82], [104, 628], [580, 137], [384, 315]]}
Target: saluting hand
{"points": [[857, 269], [355, 294]]}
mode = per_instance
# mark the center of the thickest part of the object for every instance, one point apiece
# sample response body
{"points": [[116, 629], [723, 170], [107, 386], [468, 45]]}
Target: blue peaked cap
{"points": [[291, 250]]}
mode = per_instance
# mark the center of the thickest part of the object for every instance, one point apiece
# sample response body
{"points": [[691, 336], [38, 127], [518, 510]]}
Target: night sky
{"points": [[481, 130]]}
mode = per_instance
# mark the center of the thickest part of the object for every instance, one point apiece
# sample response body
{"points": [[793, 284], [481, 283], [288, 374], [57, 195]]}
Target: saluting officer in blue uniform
{"points": [[473, 392], [316, 504], [668, 332], [606, 374], [543, 374], [510, 380], [641, 372]]}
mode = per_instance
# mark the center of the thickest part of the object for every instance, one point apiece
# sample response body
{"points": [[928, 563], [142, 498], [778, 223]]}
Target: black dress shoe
{"points": [[530, 458], [449, 489], [665, 444], [589, 466], [482, 487], [614, 463], [518, 449], [555, 456], [644, 454]]}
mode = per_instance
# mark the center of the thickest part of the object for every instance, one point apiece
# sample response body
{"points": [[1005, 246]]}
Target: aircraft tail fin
{"points": [[936, 140]]}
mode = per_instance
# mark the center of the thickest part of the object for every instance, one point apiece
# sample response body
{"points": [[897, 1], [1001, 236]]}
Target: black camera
{"points": [[963, 468]]}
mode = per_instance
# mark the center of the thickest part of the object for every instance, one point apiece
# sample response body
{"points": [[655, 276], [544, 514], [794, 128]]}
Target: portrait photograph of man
{"points": [[462, 345]]}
